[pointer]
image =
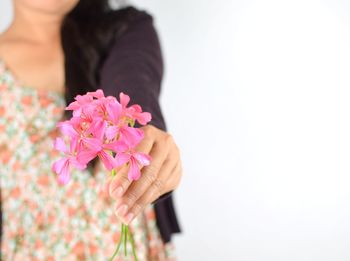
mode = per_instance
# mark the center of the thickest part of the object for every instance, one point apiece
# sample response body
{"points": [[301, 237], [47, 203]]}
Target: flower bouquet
{"points": [[104, 128]]}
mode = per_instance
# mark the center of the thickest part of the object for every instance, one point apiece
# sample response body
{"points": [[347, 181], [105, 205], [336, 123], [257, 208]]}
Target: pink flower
{"points": [[77, 138], [78, 105], [104, 128], [126, 133], [134, 111], [62, 166], [136, 161], [95, 147]]}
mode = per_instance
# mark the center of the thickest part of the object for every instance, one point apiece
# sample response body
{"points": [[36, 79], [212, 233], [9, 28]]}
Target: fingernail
{"points": [[118, 192], [121, 211], [128, 218]]}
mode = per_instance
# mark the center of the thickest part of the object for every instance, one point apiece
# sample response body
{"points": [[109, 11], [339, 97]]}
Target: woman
{"points": [[52, 51]]}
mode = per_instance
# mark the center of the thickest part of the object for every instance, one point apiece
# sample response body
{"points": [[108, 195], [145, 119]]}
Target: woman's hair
{"points": [[87, 33]]}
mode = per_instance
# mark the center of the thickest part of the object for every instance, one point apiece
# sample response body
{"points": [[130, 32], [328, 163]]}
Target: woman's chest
{"points": [[27, 119], [37, 65]]}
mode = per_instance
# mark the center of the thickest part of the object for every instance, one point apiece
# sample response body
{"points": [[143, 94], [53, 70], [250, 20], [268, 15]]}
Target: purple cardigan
{"points": [[134, 65]]}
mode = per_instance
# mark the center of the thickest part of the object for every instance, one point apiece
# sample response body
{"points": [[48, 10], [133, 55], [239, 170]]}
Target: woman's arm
{"points": [[135, 66]]}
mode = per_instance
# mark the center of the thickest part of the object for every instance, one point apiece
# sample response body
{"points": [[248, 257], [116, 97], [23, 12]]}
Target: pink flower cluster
{"points": [[101, 127]]}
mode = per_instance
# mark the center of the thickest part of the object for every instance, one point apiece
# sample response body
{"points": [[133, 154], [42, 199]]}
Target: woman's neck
{"points": [[35, 27]]}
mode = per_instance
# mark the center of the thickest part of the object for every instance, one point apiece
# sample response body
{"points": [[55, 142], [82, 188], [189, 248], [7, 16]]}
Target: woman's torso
{"points": [[41, 219]]}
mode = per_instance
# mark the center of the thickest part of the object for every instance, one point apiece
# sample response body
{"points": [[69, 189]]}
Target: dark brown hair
{"points": [[87, 33]]}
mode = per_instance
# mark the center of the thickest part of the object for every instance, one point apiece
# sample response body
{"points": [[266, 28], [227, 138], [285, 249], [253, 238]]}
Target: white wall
{"points": [[257, 95]]}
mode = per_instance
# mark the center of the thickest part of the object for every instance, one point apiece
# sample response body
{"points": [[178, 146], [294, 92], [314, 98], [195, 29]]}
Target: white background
{"points": [[256, 94]]}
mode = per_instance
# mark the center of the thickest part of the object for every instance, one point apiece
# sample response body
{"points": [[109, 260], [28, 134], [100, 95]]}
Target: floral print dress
{"points": [[43, 220]]}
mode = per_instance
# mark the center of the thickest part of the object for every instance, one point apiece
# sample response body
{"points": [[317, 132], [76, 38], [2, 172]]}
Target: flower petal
{"points": [[134, 170], [131, 136], [58, 165], [79, 165], [107, 160], [97, 94], [111, 132], [67, 128], [60, 145], [61, 168], [122, 158], [64, 177], [93, 144], [114, 111], [97, 128], [142, 158], [85, 156], [116, 146], [124, 99], [143, 118]]}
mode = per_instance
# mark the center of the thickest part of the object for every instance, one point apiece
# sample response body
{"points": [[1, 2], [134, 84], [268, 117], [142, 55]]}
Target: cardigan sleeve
{"points": [[134, 66]]}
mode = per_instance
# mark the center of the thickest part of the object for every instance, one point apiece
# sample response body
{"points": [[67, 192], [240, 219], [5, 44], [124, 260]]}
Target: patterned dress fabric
{"points": [[43, 220]]}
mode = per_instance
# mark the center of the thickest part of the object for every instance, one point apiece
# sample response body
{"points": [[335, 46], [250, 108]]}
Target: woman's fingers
{"points": [[153, 191], [138, 188], [175, 177], [120, 182], [161, 176]]}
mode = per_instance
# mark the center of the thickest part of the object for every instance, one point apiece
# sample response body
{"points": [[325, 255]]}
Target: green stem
{"points": [[119, 244], [125, 239], [132, 244], [125, 234]]}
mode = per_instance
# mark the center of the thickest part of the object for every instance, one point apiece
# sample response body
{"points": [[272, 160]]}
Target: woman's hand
{"points": [[161, 176]]}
